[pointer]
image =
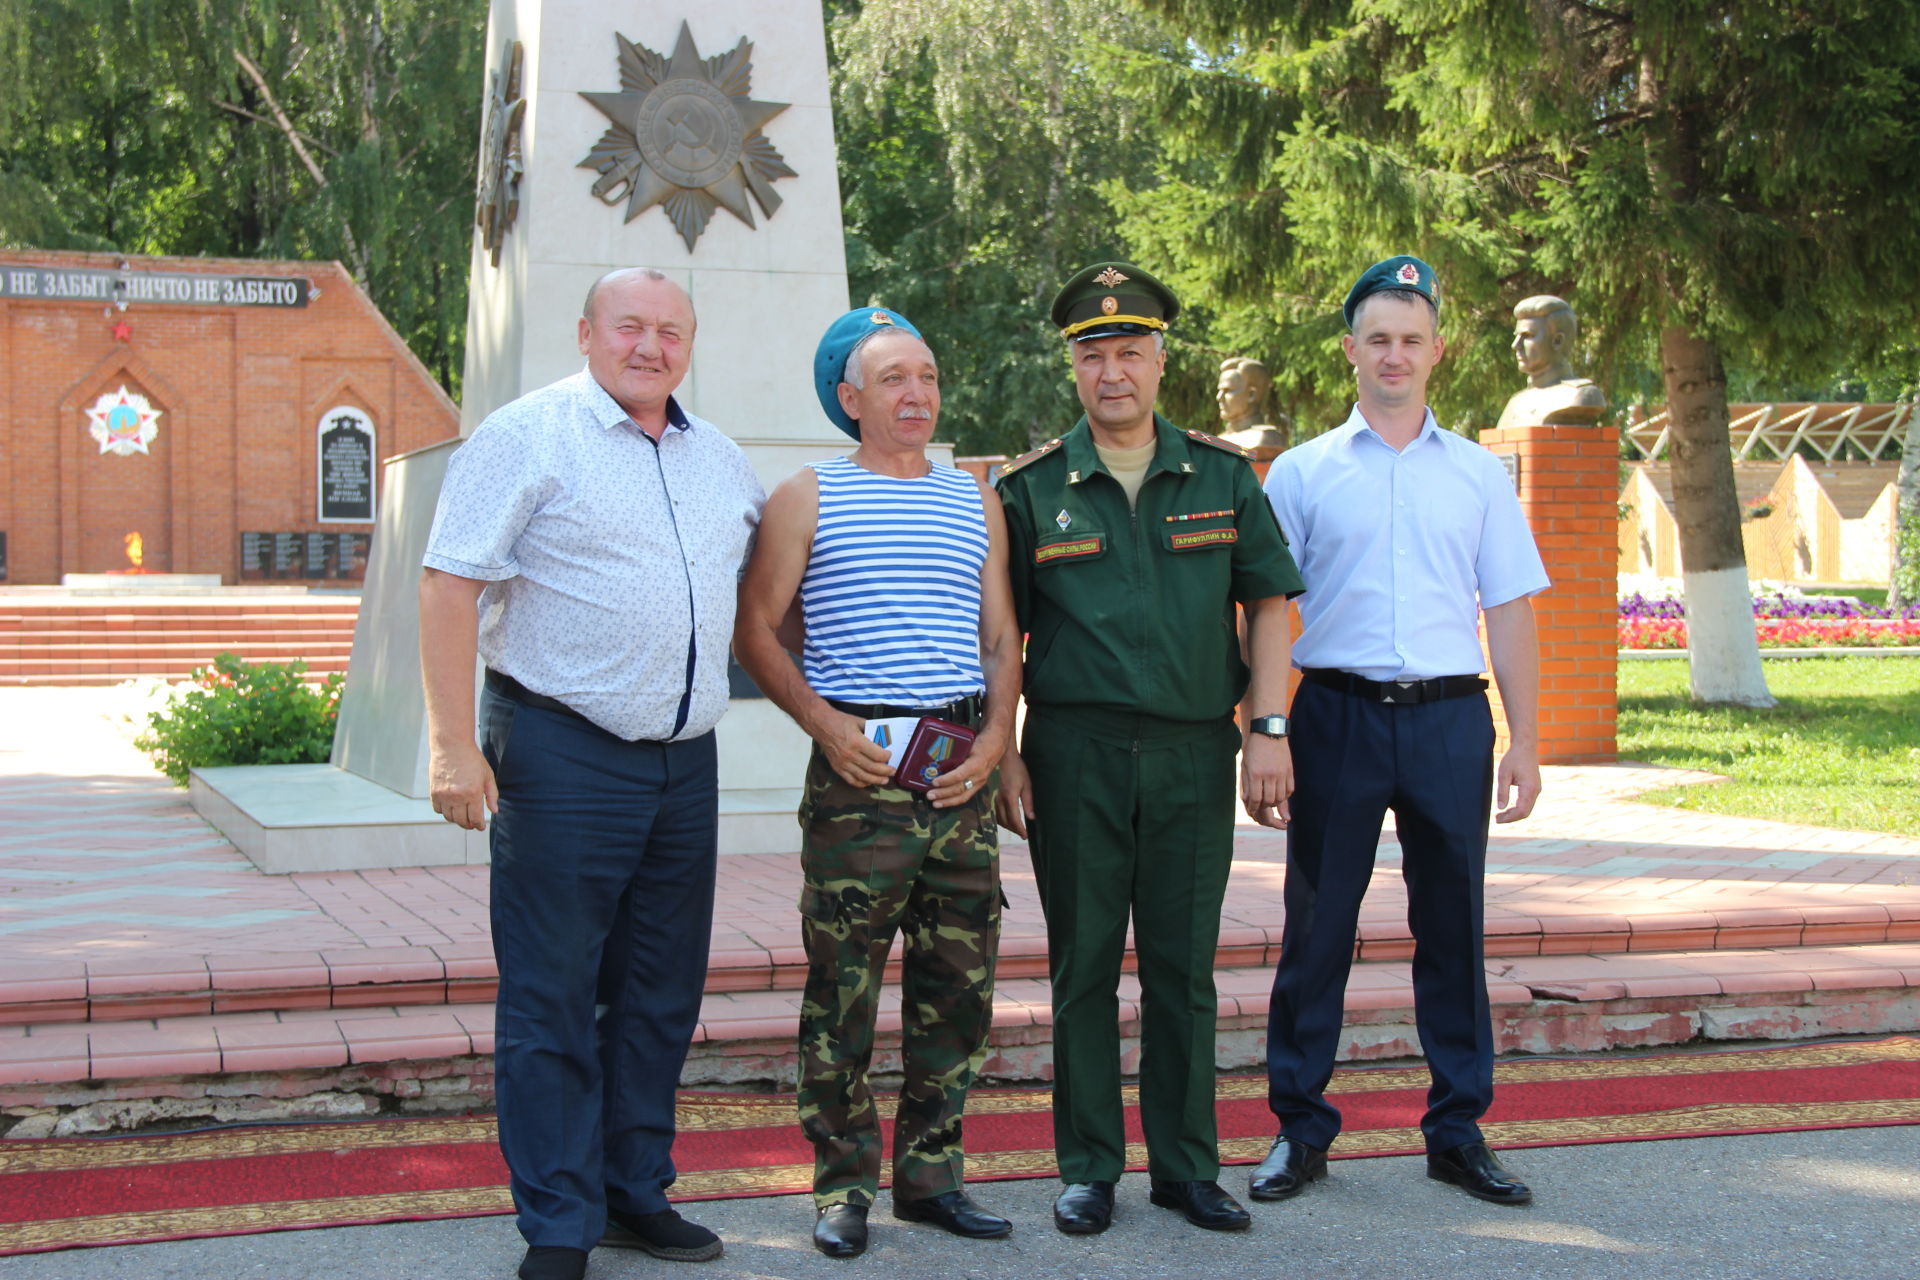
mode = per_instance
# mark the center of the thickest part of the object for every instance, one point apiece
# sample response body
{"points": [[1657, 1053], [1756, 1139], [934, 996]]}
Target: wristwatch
{"points": [[1271, 726]]}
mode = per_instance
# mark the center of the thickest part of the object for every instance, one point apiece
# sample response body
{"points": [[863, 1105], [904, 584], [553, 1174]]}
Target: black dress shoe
{"points": [[551, 1262], [1287, 1170], [841, 1230], [1476, 1171], [953, 1211], [1203, 1203], [1084, 1208], [664, 1235]]}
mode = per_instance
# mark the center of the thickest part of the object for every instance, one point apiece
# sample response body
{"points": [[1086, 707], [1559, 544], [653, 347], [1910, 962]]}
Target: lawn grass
{"points": [[1841, 750]]}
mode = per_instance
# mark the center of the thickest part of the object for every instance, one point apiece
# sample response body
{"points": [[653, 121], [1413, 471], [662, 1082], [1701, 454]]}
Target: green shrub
{"points": [[236, 712]]}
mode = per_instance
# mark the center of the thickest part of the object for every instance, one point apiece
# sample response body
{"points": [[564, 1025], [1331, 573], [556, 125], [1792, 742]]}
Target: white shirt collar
{"points": [[1356, 425]]}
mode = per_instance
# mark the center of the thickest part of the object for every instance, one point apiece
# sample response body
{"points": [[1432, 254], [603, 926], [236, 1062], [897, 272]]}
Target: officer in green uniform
{"points": [[1130, 542]]}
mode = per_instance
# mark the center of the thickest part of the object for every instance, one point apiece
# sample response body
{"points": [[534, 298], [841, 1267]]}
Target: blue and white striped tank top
{"points": [[892, 591]]}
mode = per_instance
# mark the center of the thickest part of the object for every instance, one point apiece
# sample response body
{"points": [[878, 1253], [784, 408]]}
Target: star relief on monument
{"points": [[686, 136], [497, 200]]}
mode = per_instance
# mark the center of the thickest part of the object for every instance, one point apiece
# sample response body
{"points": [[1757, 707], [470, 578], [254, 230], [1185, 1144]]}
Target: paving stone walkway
{"points": [[133, 936], [103, 863]]}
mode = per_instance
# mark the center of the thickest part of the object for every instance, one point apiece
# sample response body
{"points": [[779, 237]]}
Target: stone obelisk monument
{"points": [[697, 140]]}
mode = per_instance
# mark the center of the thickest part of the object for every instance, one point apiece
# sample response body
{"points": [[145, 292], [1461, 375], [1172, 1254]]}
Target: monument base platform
{"points": [[318, 817], [137, 584]]}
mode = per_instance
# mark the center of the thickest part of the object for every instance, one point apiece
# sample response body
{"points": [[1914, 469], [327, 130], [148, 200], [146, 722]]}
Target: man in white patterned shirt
{"points": [[587, 547]]}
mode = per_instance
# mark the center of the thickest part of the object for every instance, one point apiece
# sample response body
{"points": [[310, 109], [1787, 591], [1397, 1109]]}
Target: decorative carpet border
{"points": [[768, 1174]]}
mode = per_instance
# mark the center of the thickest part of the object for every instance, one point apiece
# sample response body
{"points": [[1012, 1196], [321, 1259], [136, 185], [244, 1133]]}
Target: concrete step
{"points": [[65, 1077], [64, 641]]}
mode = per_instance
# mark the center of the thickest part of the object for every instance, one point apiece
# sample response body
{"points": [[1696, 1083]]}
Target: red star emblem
{"points": [[122, 331]]}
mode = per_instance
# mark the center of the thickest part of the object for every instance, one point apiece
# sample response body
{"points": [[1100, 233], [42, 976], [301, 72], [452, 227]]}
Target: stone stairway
{"points": [[148, 971], [104, 1043], [53, 639]]}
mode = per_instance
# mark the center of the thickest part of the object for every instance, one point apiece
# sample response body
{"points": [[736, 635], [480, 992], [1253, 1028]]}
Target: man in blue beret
{"points": [[1406, 535], [899, 567]]}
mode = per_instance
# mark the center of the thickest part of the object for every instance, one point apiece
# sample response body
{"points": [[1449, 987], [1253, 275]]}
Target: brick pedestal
{"points": [[1568, 478]]}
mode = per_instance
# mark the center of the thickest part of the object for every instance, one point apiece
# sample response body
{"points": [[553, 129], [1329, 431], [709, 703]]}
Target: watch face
{"points": [[1272, 726]]}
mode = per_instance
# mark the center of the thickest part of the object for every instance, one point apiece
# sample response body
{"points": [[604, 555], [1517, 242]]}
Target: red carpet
{"points": [[65, 1193]]}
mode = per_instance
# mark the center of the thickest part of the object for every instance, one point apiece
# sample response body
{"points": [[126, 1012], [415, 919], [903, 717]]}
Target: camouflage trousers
{"points": [[881, 860]]}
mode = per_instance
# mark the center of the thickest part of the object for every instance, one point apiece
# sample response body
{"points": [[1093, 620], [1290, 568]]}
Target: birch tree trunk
{"points": [[1906, 539], [1722, 645]]}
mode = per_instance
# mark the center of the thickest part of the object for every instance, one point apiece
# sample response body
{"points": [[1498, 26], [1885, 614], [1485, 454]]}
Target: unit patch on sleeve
{"points": [[1091, 545]]}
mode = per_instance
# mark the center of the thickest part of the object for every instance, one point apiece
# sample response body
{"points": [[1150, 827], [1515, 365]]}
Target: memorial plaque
{"points": [[345, 459], [3, 555], [351, 558], [256, 555], [320, 548], [289, 554]]}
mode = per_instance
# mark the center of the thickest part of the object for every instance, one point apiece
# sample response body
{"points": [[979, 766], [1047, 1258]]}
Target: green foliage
{"points": [[1738, 170], [133, 125], [1842, 748], [243, 713], [976, 140]]}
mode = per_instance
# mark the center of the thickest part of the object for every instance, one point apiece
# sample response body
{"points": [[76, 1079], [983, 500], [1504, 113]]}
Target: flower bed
{"points": [[1783, 620], [1781, 633]]}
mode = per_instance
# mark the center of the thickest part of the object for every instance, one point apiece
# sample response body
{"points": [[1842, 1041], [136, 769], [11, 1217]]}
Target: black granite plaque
{"points": [[256, 555], [320, 548], [3, 555], [350, 561], [289, 554], [346, 469]]}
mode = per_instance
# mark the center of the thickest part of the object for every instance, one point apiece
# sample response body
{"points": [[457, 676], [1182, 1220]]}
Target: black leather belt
{"points": [[1396, 692], [964, 711], [507, 687]]}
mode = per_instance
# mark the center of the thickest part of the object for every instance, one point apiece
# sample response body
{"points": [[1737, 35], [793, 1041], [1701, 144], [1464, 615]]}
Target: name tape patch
{"points": [[1189, 539], [1069, 550]]}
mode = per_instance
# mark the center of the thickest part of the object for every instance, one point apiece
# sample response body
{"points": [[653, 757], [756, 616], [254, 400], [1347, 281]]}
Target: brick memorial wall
{"points": [[259, 398]]}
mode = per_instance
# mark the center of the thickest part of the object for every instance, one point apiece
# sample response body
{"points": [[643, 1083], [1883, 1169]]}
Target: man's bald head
{"points": [[619, 274]]}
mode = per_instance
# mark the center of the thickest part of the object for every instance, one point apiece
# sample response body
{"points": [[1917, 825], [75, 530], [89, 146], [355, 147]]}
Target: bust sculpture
{"points": [[1244, 385], [1544, 329]]}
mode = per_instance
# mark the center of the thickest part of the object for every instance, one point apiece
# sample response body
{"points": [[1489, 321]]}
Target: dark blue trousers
{"points": [[1432, 765], [602, 884]]}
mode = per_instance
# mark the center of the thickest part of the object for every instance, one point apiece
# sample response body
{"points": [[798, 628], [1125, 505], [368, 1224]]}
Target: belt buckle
{"points": [[1403, 692]]}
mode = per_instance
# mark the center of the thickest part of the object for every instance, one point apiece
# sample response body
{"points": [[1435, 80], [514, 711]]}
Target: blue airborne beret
{"points": [[830, 357], [1402, 272]]}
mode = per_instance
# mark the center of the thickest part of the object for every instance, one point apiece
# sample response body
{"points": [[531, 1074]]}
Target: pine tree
{"points": [[1708, 181]]}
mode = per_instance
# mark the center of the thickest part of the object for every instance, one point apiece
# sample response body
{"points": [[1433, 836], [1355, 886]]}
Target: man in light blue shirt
{"points": [[1405, 534]]}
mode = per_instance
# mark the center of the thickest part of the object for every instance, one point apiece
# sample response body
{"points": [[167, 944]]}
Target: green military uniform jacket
{"points": [[1132, 611]]}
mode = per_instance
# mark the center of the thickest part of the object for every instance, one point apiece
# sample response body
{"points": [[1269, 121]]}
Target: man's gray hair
{"points": [[854, 374], [1405, 295], [593, 290]]}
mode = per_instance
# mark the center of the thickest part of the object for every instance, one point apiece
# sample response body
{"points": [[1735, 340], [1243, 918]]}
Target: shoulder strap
{"points": [[1225, 446], [1033, 456]]}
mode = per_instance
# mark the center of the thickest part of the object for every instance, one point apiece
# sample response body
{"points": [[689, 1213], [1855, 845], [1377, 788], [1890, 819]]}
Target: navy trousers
{"points": [[1432, 765], [602, 904]]}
